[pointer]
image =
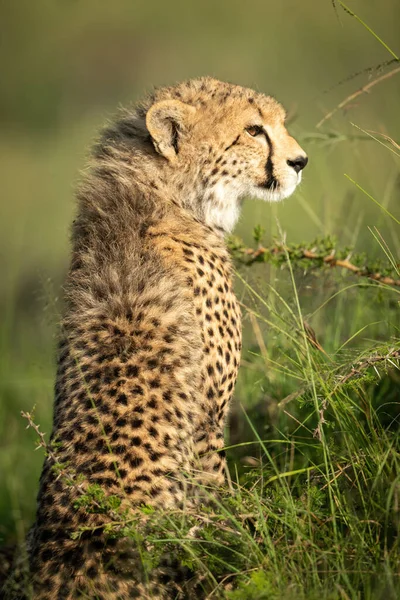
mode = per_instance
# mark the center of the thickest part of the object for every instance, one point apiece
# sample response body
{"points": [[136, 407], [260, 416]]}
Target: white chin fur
{"points": [[272, 195], [222, 208]]}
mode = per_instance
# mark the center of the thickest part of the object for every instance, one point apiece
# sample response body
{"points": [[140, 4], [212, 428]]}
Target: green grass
{"points": [[313, 447], [313, 505]]}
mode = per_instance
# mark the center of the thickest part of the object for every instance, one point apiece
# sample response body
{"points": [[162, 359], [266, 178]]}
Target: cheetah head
{"points": [[221, 143]]}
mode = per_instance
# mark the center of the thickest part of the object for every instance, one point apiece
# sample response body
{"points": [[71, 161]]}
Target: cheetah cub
{"points": [[151, 337]]}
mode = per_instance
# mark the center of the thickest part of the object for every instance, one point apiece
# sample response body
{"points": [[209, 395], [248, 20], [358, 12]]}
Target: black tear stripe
{"points": [[269, 167], [235, 141]]}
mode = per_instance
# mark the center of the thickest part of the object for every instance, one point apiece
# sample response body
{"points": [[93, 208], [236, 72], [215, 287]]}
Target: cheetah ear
{"points": [[166, 121]]}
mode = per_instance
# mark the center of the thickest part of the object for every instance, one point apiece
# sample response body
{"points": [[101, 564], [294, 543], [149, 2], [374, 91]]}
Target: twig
{"points": [[318, 432], [253, 255], [68, 475], [42, 441], [362, 365], [359, 92], [369, 362]]}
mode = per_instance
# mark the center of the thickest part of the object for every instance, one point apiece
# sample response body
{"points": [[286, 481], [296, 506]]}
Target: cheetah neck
{"points": [[221, 208]]}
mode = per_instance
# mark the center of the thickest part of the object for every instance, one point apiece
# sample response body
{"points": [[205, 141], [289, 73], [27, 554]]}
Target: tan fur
{"points": [[151, 338]]}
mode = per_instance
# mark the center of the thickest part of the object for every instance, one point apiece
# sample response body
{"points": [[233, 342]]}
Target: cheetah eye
{"points": [[254, 130]]}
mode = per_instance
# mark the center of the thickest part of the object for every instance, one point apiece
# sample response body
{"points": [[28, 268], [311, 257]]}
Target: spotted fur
{"points": [[151, 337]]}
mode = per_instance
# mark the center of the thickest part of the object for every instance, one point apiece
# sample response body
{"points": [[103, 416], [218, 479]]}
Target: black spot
{"points": [[178, 413], [98, 467], [153, 432], [136, 441], [101, 446], [135, 461], [132, 371], [46, 555], [154, 456], [79, 447], [92, 572], [136, 423], [167, 396], [152, 363], [122, 399], [152, 403], [137, 389]]}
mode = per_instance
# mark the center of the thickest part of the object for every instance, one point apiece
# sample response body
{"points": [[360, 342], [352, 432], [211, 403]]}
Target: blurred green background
{"points": [[66, 65]]}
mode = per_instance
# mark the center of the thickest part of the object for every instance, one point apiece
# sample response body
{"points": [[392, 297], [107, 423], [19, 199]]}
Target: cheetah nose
{"points": [[298, 163]]}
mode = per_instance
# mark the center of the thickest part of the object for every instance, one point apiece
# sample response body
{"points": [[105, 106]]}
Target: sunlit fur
{"points": [[218, 163], [150, 339]]}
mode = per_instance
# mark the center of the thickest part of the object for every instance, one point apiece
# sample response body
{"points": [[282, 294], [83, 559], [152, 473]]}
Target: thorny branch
{"points": [[369, 362], [356, 371], [250, 255]]}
